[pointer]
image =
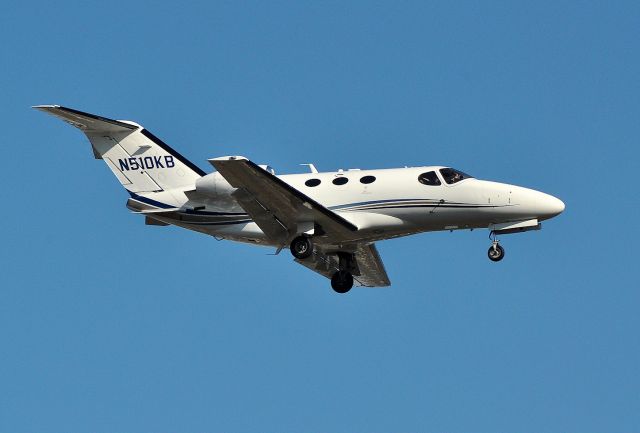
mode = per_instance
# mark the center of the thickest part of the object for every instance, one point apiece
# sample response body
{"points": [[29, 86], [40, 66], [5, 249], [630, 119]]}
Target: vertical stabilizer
{"points": [[140, 160]]}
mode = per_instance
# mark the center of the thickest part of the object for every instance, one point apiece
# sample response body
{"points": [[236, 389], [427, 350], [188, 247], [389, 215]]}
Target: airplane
{"points": [[330, 221]]}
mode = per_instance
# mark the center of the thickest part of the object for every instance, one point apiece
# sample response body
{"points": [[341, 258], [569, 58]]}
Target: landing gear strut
{"points": [[301, 247], [342, 280], [496, 252]]}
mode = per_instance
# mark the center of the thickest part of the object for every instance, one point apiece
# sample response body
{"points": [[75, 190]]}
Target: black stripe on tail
{"points": [[175, 154]]}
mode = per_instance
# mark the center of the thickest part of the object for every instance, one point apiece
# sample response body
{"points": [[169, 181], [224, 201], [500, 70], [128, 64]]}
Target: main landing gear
{"points": [[342, 280], [301, 247], [496, 252]]}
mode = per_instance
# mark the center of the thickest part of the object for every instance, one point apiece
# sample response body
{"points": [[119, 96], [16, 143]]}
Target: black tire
{"points": [[301, 247], [497, 254], [342, 281]]}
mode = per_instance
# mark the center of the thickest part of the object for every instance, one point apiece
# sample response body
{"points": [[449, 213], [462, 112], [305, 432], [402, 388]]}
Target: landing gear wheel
{"points": [[301, 247], [495, 253], [342, 281]]}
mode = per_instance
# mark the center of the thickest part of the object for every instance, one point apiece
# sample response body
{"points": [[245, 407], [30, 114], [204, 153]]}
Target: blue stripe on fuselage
{"points": [[149, 201], [363, 205]]}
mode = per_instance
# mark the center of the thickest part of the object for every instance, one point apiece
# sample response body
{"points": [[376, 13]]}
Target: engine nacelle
{"points": [[214, 185]]}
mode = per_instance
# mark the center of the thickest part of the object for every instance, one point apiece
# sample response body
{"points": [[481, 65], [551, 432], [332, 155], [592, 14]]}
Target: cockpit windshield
{"points": [[451, 175]]}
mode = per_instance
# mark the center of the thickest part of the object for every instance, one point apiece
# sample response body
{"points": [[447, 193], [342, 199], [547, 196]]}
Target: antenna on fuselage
{"points": [[312, 167]]}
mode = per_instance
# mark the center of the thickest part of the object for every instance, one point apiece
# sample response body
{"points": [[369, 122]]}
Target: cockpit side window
{"points": [[429, 178], [452, 175]]}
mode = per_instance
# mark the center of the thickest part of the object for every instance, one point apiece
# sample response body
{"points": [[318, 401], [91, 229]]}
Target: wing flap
{"points": [[267, 221], [320, 263]]}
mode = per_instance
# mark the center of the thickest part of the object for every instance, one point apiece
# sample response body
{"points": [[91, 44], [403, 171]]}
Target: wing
{"points": [[368, 267], [280, 210]]}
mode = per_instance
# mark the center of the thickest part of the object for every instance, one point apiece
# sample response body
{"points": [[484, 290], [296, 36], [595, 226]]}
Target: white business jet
{"points": [[329, 221]]}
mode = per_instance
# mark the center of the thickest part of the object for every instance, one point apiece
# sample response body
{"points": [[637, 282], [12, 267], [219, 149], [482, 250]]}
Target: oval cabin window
{"points": [[312, 182], [367, 179], [340, 180]]}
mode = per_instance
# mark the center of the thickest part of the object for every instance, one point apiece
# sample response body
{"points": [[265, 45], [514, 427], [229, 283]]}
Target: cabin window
{"points": [[429, 178], [312, 182], [367, 179], [340, 180], [452, 175]]}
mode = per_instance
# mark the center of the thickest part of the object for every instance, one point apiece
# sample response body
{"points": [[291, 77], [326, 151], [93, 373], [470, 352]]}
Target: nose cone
{"points": [[548, 206]]}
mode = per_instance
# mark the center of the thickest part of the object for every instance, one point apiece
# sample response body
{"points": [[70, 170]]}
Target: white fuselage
{"points": [[394, 204], [329, 221]]}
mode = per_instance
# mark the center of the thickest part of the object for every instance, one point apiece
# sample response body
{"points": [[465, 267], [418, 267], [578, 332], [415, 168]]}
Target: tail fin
{"points": [[140, 160]]}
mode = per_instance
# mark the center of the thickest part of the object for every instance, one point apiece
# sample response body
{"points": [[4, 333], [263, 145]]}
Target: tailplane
{"points": [[141, 161]]}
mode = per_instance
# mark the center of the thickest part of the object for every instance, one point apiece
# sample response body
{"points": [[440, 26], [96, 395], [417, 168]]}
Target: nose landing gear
{"points": [[496, 252]]}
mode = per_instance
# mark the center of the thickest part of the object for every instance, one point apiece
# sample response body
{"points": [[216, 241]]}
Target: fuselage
{"points": [[383, 203], [328, 221]]}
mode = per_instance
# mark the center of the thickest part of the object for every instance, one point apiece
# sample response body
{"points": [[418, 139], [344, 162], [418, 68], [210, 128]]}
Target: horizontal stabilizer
{"points": [[85, 121], [154, 222]]}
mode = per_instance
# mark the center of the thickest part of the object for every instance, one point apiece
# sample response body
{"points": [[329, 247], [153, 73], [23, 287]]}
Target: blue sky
{"points": [[108, 325]]}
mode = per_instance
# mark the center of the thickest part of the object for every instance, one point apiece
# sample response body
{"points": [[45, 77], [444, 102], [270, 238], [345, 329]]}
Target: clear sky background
{"points": [[108, 325]]}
